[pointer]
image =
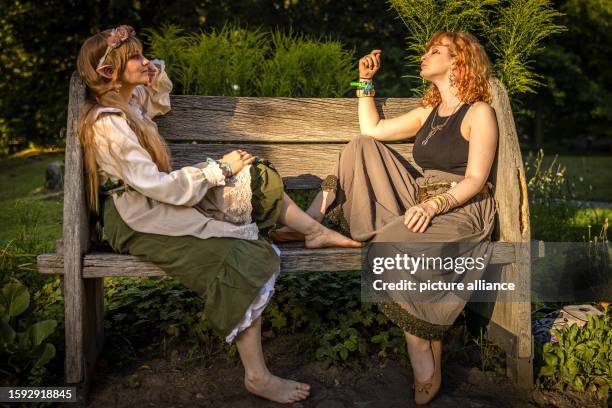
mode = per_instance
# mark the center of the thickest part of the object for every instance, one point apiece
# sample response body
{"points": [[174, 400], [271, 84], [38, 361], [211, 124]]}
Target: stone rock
{"points": [[54, 176]]}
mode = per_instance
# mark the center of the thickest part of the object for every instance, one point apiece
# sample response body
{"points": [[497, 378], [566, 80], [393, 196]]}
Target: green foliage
{"points": [[581, 360], [511, 31], [518, 35], [149, 313], [546, 183], [23, 349], [303, 67], [548, 189], [328, 308], [233, 61], [573, 112]]}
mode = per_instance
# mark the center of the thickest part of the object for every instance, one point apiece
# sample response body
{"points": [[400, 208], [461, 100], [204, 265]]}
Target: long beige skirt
{"points": [[373, 191]]}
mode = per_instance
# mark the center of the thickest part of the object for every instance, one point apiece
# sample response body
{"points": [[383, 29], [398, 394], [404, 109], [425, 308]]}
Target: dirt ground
{"points": [[369, 382]]}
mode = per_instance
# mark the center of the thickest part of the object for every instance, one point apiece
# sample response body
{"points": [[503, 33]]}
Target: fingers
{"points": [[370, 62], [416, 219]]}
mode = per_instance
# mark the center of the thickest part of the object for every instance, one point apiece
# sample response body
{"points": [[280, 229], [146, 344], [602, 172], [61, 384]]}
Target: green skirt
{"points": [[227, 272]]}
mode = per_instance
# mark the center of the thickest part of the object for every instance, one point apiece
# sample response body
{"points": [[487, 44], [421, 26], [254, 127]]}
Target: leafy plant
{"points": [[581, 360], [513, 32], [22, 344], [234, 61], [548, 190]]}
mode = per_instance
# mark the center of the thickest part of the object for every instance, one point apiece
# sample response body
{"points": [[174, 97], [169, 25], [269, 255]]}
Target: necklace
{"points": [[435, 129]]}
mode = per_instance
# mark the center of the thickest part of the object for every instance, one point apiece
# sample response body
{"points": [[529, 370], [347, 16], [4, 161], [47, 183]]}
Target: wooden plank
{"points": [[508, 176], [301, 165], [76, 236], [231, 119], [294, 258]]}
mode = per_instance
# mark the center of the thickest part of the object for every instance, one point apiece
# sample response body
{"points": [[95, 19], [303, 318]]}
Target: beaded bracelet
{"points": [[222, 164], [365, 87], [363, 93], [228, 168]]}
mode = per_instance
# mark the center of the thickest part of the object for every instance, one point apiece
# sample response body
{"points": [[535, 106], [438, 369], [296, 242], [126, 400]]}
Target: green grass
{"points": [[591, 175], [26, 217]]}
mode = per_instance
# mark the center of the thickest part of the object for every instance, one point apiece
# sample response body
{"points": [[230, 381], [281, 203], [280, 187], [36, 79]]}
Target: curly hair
{"points": [[471, 68]]}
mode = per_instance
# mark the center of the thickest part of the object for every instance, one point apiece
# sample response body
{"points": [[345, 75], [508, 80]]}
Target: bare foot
{"points": [[325, 237], [277, 389]]}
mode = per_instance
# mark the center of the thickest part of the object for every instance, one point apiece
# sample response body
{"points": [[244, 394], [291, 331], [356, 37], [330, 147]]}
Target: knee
{"points": [[360, 142]]}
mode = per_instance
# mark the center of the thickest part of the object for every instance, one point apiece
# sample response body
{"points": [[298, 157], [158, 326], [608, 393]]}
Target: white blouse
{"points": [[193, 200]]}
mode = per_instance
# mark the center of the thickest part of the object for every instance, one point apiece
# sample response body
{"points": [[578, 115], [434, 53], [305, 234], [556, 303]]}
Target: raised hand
{"points": [[369, 65]]}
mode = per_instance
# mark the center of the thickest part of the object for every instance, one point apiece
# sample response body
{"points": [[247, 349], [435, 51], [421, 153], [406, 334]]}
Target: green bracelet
{"points": [[228, 168]]}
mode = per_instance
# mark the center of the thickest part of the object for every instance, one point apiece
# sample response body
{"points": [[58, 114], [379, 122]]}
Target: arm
{"points": [[120, 154], [483, 144], [155, 97], [370, 124], [398, 128]]}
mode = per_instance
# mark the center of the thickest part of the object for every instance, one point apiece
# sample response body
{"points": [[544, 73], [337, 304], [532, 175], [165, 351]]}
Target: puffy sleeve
{"points": [[154, 99], [120, 154]]}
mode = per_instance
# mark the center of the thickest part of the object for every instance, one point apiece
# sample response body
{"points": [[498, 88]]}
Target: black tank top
{"points": [[446, 150]]}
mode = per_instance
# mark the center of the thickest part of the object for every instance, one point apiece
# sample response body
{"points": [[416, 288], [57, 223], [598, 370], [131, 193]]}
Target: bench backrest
{"points": [[301, 137]]}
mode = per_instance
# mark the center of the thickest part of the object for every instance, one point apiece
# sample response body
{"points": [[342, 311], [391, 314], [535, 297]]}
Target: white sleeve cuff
{"points": [[214, 174]]}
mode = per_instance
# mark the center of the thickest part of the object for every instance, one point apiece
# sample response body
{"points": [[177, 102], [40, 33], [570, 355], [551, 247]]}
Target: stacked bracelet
{"points": [[223, 164], [227, 167], [363, 93], [444, 202], [365, 87]]}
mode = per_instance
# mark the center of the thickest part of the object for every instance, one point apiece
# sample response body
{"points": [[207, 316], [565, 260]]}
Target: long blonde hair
{"points": [[472, 68], [103, 92]]}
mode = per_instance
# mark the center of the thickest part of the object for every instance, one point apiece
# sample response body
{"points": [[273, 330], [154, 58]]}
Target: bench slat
{"points": [[247, 119], [301, 165], [295, 258]]}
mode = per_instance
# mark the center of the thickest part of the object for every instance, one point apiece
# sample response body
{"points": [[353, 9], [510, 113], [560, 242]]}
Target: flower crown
{"points": [[117, 36]]}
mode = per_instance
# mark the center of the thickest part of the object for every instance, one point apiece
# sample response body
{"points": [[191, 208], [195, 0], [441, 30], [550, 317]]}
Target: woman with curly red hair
{"points": [[375, 198]]}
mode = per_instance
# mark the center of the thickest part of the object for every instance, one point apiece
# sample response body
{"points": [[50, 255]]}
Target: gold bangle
{"points": [[444, 202]]}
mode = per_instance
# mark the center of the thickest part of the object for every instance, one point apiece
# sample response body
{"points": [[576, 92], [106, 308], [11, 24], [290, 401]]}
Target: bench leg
{"points": [[84, 335], [521, 371], [518, 347]]}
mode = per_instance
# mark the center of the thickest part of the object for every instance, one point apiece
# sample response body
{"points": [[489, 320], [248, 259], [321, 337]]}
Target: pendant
{"points": [[432, 132]]}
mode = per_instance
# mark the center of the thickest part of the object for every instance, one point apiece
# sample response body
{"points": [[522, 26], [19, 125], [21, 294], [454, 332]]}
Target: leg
{"points": [[316, 211], [257, 379], [319, 204], [421, 358], [317, 236]]}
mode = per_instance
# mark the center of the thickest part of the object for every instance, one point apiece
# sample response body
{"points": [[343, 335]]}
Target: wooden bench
{"points": [[302, 138]]}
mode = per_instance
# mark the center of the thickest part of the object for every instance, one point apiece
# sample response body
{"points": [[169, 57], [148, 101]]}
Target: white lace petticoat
{"points": [[258, 305]]}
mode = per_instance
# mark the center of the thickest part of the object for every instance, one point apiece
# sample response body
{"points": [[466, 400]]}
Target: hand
{"points": [[238, 159], [369, 64], [154, 70], [417, 218]]}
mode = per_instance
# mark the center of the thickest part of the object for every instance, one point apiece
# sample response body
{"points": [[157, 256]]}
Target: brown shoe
{"points": [[425, 391]]}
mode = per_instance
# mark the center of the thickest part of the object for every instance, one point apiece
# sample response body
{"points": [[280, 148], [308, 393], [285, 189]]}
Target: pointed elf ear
{"points": [[106, 71]]}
